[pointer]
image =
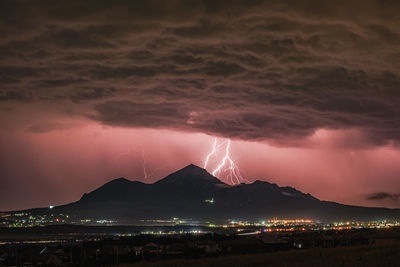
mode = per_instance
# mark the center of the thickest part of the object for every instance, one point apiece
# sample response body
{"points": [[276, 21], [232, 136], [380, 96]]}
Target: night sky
{"points": [[307, 91]]}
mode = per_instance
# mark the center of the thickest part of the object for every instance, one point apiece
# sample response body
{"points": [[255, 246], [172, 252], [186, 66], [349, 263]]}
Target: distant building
{"points": [[210, 200]]}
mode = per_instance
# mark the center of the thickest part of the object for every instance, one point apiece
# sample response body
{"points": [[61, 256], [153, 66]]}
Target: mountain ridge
{"points": [[184, 194]]}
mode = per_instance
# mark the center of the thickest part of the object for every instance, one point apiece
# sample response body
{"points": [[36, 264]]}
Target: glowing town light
{"points": [[209, 200], [50, 207]]}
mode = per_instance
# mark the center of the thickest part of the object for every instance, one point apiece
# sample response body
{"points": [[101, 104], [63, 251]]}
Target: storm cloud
{"points": [[252, 70], [383, 196]]}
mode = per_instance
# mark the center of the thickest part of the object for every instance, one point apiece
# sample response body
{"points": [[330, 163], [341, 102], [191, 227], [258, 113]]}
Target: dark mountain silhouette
{"points": [[183, 194]]}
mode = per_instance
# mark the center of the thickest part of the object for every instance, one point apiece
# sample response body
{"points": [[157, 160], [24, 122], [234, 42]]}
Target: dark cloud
{"points": [[13, 74], [87, 94], [275, 70], [383, 196], [127, 113], [220, 68], [48, 126], [15, 96], [59, 82]]}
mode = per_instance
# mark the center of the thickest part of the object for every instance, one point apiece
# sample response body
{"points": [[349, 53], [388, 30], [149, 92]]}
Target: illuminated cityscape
{"points": [[26, 219], [102, 240]]}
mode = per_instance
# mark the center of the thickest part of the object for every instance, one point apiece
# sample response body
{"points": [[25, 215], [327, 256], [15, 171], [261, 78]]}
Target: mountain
{"points": [[188, 192]]}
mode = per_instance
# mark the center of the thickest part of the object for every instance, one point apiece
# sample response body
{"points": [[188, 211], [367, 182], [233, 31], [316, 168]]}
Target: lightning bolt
{"points": [[144, 165], [211, 153], [226, 165], [131, 151]]}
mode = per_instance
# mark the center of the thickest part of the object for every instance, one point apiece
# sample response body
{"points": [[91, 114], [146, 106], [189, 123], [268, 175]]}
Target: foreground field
{"points": [[375, 255]]}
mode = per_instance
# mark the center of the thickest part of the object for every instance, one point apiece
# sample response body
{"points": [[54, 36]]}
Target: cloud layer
{"points": [[253, 70], [383, 196]]}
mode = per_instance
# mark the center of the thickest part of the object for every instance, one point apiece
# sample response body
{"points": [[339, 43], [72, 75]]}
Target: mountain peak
{"points": [[191, 174], [191, 168], [120, 180]]}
